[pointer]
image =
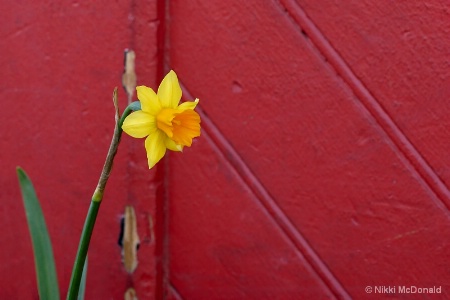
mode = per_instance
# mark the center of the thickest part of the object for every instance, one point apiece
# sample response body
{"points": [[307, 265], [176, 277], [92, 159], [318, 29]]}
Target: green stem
{"points": [[82, 250], [97, 199]]}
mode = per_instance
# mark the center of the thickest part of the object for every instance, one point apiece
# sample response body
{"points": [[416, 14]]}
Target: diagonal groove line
{"points": [[273, 210], [174, 292], [387, 124]]}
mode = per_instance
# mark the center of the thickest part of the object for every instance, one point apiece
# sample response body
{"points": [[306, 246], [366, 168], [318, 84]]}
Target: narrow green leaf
{"points": [[43, 254], [83, 280]]}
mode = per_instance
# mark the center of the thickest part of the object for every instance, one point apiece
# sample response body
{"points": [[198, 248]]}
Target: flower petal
{"points": [[149, 100], [139, 124], [188, 104], [171, 145], [187, 127], [164, 120], [155, 146], [169, 91]]}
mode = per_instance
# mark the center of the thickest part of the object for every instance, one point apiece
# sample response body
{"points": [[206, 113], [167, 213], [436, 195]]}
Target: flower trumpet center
{"points": [[179, 125]]}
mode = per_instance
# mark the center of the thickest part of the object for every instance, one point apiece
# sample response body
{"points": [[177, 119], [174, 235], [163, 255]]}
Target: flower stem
{"points": [[82, 250], [97, 199]]}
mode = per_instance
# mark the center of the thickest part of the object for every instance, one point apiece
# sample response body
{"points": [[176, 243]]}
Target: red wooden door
{"points": [[323, 168], [60, 63]]}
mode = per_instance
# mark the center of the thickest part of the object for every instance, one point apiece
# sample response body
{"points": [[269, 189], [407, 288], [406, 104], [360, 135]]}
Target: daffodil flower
{"points": [[166, 123]]}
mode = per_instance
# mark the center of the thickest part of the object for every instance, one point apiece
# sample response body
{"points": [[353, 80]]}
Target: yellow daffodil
{"points": [[166, 123]]}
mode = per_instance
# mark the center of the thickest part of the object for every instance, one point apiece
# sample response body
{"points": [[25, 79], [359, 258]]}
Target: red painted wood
{"points": [[399, 51], [60, 63], [234, 254], [322, 168], [297, 164]]}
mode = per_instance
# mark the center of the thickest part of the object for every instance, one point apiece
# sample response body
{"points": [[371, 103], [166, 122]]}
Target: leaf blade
{"points": [[42, 248], [83, 280]]}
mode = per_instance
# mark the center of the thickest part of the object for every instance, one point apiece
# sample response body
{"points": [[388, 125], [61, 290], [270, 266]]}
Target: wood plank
{"points": [[61, 62], [223, 243], [315, 148], [399, 51]]}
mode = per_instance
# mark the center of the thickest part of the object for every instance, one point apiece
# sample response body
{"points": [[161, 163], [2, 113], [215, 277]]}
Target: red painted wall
{"points": [[323, 164], [60, 63], [322, 167]]}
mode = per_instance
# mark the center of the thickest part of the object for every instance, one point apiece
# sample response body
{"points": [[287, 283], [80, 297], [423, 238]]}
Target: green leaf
{"points": [[43, 254], [83, 280]]}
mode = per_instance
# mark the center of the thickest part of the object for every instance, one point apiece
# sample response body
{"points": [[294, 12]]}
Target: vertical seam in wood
{"points": [[162, 36], [162, 197], [270, 205], [371, 104]]}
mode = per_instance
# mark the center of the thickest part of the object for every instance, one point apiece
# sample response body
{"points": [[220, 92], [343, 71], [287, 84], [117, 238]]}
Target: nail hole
{"points": [[304, 33], [236, 87]]}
